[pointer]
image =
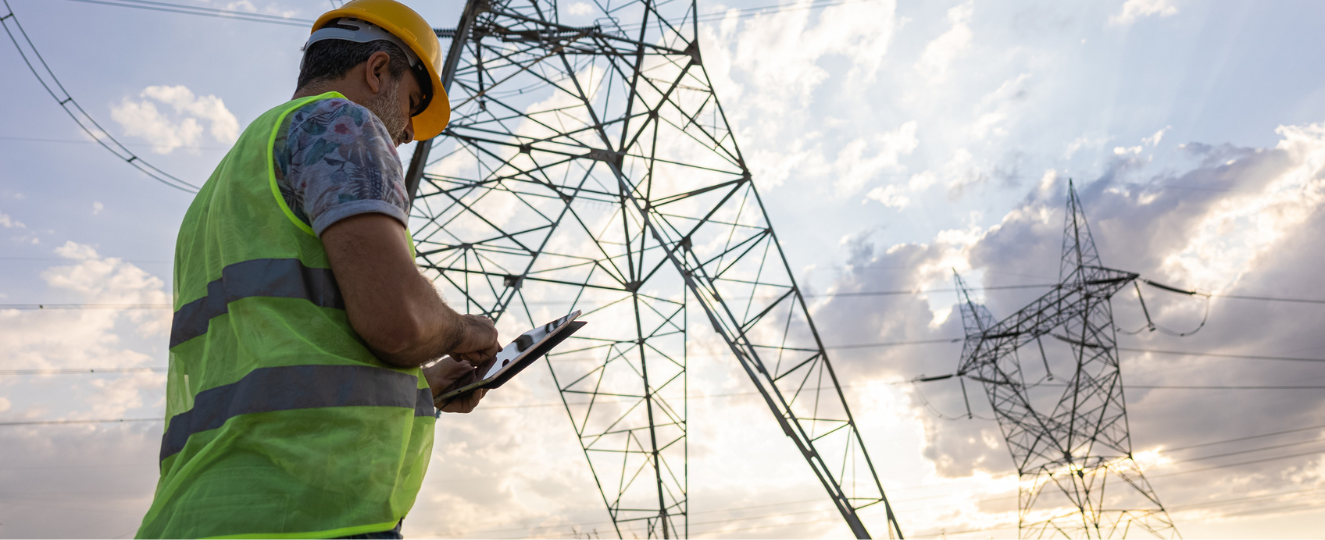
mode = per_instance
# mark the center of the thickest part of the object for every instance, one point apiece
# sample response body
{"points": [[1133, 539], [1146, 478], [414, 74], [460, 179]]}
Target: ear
{"points": [[376, 71]]}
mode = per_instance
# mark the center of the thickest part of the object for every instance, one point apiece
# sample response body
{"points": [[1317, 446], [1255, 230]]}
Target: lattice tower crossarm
{"points": [[590, 165], [1076, 440]]}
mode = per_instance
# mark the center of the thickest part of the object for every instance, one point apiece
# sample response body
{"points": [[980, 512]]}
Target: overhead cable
{"points": [[1247, 438], [53, 87], [80, 371], [1270, 298], [1221, 355], [1150, 323], [918, 379], [86, 306], [532, 529], [899, 292], [745, 13], [1250, 462], [96, 421], [695, 397], [170, 7], [1249, 451]]}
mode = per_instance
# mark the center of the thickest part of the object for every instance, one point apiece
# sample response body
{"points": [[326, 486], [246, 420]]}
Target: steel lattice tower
{"points": [[589, 165], [1072, 434]]}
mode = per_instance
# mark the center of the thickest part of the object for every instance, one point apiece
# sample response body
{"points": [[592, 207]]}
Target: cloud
{"points": [[998, 107], [115, 463], [97, 207], [962, 172], [1138, 9], [247, 5], [580, 8], [769, 72], [1222, 244], [863, 158], [896, 196], [1153, 140], [1083, 141], [184, 128], [940, 53], [87, 339], [10, 223], [1242, 220]]}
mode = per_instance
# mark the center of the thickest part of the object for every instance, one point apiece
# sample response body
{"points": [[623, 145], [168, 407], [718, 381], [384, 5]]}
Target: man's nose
{"points": [[409, 130]]}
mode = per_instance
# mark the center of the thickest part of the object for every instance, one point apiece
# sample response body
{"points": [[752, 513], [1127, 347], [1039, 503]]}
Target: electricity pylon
{"points": [[1072, 434], [589, 165]]}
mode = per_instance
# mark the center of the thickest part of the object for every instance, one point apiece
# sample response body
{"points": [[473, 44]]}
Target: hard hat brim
{"points": [[433, 120]]}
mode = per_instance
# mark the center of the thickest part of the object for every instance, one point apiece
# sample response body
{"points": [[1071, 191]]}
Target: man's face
{"points": [[395, 105]]}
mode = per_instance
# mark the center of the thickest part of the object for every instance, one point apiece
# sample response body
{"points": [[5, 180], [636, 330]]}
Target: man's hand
{"points": [[478, 340], [444, 374], [466, 403]]}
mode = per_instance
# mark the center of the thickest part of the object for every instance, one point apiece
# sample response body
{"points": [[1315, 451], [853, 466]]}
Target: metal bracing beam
{"points": [[589, 161]]}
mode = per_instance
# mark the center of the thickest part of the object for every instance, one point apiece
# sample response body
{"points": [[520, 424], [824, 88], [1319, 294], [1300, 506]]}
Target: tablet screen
{"points": [[508, 356]]}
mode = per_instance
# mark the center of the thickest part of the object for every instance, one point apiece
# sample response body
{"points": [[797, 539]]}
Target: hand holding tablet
{"points": [[512, 359]]}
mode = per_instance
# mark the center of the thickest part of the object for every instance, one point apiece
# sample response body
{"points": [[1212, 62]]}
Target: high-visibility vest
{"points": [[280, 423]]}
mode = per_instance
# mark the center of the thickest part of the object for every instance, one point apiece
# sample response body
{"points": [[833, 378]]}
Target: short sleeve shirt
{"points": [[335, 159]]}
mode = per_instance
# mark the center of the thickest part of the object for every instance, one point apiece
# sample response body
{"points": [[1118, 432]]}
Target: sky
{"points": [[892, 142]]}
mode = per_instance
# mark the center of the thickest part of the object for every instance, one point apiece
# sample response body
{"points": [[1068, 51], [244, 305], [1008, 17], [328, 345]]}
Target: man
{"points": [[300, 395]]}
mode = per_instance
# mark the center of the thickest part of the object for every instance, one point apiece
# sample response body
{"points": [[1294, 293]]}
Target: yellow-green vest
{"points": [[280, 423]]}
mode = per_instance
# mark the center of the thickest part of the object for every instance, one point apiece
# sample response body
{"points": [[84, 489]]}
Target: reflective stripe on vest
{"points": [[276, 278], [296, 387]]}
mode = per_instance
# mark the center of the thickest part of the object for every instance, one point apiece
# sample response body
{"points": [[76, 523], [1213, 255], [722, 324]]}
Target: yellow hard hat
{"points": [[407, 25]]}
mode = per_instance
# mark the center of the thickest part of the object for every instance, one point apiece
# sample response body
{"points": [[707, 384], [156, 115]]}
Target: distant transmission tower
{"points": [[1069, 439], [589, 165]]}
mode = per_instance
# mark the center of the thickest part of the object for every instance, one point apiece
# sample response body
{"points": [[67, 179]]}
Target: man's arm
{"points": [[390, 304]]}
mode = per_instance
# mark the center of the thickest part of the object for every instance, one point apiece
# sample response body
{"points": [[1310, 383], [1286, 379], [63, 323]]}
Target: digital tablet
{"points": [[512, 359]]}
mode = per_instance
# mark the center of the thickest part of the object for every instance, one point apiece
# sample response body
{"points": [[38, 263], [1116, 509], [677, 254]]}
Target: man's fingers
{"points": [[466, 403], [479, 333], [459, 368]]}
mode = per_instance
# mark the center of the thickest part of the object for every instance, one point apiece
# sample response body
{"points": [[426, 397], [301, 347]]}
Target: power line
{"points": [[691, 397], [1249, 437], [939, 533], [1203, 503], [1271, 509], [29, 307], [898, 292], [1240, 452], [1250, 462], [763, 10], [85, 141], [79, 371], [927, 291], [168, 7], [97, 421], [1253, 497], [1270, 298], [75, 111], [1224, 355], [1219, 387], [894, 343]]}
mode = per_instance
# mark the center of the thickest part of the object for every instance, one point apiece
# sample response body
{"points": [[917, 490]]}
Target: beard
{"points": [[386, 106]]}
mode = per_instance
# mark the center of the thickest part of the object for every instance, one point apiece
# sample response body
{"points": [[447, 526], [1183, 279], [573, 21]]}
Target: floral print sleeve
{"points": [[335, 159]]}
